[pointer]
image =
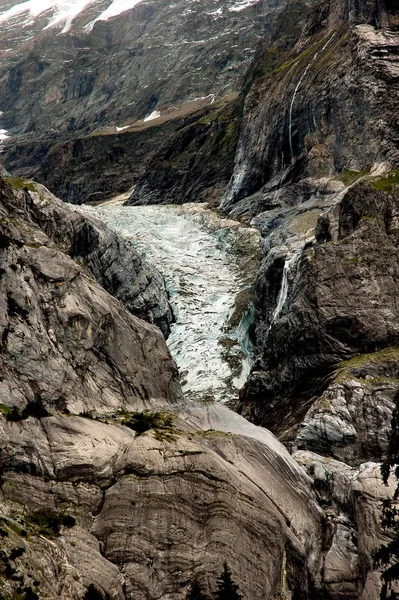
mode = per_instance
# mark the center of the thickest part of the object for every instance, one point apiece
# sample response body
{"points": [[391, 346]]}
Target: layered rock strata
{"points": [[94, 491]]}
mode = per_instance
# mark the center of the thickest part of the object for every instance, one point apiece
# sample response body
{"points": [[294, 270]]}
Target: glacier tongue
{"points": [[194, 250]]}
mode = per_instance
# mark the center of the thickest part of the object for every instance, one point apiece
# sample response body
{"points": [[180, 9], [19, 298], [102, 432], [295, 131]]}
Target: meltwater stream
{"points": [[208, 264]]}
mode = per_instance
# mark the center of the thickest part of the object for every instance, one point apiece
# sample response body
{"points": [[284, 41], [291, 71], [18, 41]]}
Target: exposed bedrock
{"points": [[65, 340], [113, 262], [323, 302], [327, 108], [86, 496]]}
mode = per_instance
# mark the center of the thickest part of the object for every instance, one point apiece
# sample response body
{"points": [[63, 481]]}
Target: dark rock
{"points": [[154, 56], [341, 302], [195, 163]]}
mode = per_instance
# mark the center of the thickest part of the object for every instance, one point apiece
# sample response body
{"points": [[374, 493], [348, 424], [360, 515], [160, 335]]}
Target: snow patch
{"points": [[3, 135], [154, 115], [242, 5], [63, 11], [211, 96], [116, 8]]}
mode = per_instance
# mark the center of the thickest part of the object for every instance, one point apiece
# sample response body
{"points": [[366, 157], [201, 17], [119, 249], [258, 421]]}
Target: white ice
{"points": [[116, 8], [63, 11], [203, 280], [154, 115]]}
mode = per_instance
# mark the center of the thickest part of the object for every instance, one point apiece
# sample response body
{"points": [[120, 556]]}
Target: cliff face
{"points": [[94, 491], [112, 70], [129, 80], [111, 260], [315, 136]]}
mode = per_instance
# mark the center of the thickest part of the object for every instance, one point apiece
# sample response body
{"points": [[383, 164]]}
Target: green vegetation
{"points": [[161, 422], [196, 592], [32, 409], [345, 368], [19, 183], [25, 593], [304, 223], [349, 260], [388, 354], [208, 433], [277, 61], [227, 589], [388, 182], [8, 524], [10, 572], [5, 410], [188, 452], [349, 177], [48, 523]]}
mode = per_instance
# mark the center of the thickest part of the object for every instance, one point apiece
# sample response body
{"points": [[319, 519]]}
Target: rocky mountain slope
{"points": [[308, 154], [94, 491], [88, 64], [109, 479]]}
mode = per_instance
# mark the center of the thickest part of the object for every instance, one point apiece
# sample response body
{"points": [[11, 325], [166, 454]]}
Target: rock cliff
{"points": [[144, 492], [107, 478], [98, 63]]}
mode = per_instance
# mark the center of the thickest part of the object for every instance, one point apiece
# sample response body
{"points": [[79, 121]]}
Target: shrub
{"points": [[143, 421]]}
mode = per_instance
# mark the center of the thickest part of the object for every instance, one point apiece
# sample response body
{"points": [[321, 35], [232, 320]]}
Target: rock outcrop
{"points": [[339, 300], [114, 264], [112, 71], [66, 342], [107, 478]]}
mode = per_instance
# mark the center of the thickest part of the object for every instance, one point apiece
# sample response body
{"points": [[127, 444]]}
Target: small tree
{"points": [[227, 589], [386, 556], [196, 592]]}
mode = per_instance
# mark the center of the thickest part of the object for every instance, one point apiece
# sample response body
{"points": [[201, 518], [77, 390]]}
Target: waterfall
{"points": [[298, 85], [289, 266]]}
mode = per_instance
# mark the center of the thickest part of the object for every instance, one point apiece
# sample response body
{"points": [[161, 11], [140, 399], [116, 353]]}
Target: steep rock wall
{"points": [[87, 500]]}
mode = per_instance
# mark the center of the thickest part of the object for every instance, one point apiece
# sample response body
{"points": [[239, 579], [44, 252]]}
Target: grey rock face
{"points": [[86, 500], [114, 264], [352, 499], [352, 419], [89, 168], [195, 163], [153, 56], [66, 342], [152, 514], [325, 108], [340, 301]]}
